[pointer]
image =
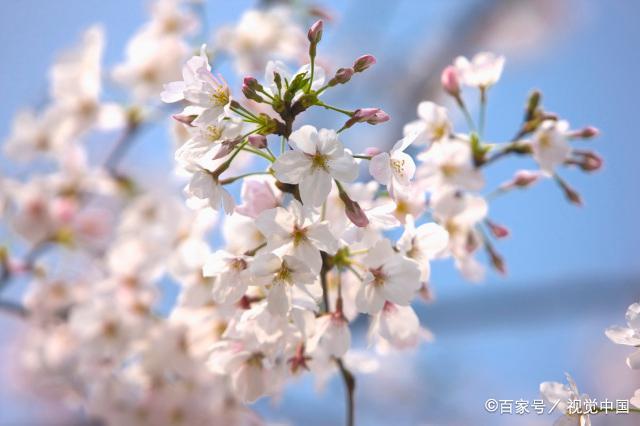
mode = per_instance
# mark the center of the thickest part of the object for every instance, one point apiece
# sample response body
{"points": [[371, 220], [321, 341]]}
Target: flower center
{"points": [[213, 133], [283, 274], [545, 140], [298, 235], [220, 95], [238, 264], [439, 131], [379, 277], [398, 167], [449, 170], [319, 161]]}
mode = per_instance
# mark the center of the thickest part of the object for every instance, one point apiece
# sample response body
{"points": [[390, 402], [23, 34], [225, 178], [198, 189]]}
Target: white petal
{"points": [[305, 139], [380, 168], [278, 299], [292, 167], [315, 188]]}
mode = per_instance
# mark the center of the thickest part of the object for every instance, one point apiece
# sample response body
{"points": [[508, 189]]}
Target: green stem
{"points": [[340, 110], [483, 111], [242, 176], [364, 157], [466, 113]]}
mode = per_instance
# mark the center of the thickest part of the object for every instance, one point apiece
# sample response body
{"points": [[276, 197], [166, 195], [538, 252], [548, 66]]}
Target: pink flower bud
{"points": [[185, 119], [450, 81], [258, 141], [571, 194], [353, 210], [372, 151], [250, 86], [497, 230], [591, 162], [521, 179], [586, 133], [342, 76], [363, 63], [367, 115], [315, 32]]}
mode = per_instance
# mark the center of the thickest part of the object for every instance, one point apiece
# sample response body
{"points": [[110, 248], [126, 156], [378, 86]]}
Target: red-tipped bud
{"points": [[586, 133], [342, 76], [315, 32], [258, 141], [353, 210], [497, 260], [250, 88], [367, 115], [497, 230], [185, 119], [450, 81], [591, 162], [363, 63], [522, 179], [571, 194]]}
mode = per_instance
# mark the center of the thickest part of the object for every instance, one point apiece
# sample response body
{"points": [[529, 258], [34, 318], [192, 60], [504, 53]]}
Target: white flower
{"points": [[483, 71], [459, 213], [332, 335], [635, 399], [205, 190], [550, 145], [261, 35], [279, 275], [561, 396], [390, 277], [316, 159], [232, 276], [191, 71], [629, 336], [249, 374], [433, 125], [207, 138], [151, 61], [295, 231], [34, 134], [422, 244], [396, 325], [449, 165], [394, 169]]}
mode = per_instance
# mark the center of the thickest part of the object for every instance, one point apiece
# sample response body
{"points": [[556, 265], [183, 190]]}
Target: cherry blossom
{"points": [[317, 157], [630, 335]]}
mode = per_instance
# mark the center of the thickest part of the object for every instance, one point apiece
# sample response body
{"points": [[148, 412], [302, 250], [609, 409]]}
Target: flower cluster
{"points": [[320, 236], [563, 395]]}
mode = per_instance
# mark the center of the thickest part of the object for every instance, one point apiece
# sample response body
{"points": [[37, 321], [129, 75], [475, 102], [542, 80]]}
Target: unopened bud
{"points": [[532, 105], [450, 81], [589, 161], [250, 86], [372, 151], [258, 141], [353, 210], [571, 194], [185, 119], [496, 260], [522, 179], [363, 63], [342, 76], [497, 230], [367, 115], [586, 133], [315, 32]]}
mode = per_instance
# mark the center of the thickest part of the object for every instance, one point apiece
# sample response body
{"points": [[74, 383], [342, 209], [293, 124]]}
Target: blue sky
{"points": [[572, 271]]}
